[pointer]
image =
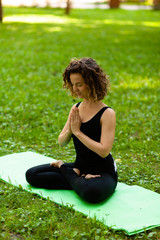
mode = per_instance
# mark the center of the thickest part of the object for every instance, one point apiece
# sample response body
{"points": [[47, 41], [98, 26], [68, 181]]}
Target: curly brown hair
{"points": [[94, 77]]}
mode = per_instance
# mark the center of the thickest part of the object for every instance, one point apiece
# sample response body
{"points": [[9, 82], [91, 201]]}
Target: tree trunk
{"points": [[1, 11], [156, 5], [68, 7], [47, 3], [114, 3]]}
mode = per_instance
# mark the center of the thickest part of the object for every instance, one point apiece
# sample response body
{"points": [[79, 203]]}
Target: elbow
{"points": [[104, 153], [61, 144]]}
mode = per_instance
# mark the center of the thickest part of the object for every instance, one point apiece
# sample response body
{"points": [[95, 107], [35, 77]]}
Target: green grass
{"points": [[35, 46]]}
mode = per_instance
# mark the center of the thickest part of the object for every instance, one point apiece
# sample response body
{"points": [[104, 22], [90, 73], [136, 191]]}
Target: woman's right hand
{"points": [[57, 164]]}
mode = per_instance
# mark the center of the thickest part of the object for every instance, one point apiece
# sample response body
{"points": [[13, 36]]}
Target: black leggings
{"points": [[92, 190]]}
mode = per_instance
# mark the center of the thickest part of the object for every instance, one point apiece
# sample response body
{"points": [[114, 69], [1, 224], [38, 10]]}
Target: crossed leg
{"points": [[46, 176], [92, 190]]}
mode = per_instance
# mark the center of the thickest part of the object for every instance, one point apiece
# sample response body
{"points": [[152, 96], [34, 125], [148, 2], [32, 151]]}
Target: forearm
{"points": [[64, 137], [96, 147]]}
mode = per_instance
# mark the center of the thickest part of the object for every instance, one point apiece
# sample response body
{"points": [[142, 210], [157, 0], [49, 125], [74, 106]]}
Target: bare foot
{"points": [[89, 176], [76, 171], [83, 175], [57, 164]]}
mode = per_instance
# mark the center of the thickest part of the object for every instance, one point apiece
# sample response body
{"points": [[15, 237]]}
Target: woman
{"points": [[91, 124]]}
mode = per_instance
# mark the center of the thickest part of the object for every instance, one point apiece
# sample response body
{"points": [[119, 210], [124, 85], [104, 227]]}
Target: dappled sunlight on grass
{"points": [[54, 29], [118, 22], [151, 24], [48, 18], [35, 18], [140, 83], [125, 22]]}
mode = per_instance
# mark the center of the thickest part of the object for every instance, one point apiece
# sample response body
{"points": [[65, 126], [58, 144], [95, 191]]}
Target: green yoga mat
{"points": [[131, 208]]}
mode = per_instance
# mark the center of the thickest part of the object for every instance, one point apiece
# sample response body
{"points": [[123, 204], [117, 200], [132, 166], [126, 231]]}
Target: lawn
{"points": [[35, 47]]}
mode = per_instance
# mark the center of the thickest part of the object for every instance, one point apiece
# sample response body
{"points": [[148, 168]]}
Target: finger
{"points": [[72, 115], [77, 114], [72, 119], [77, 111], [73, 111]]}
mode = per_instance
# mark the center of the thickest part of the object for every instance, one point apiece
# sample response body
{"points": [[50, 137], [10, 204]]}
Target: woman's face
{"points": [[79, 86]]}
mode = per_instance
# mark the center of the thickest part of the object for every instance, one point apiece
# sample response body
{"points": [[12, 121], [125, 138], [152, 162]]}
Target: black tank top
{"points": [[87, 160]]}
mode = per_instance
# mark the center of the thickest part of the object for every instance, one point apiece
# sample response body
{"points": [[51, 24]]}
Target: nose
{"points": [[74, 88]]}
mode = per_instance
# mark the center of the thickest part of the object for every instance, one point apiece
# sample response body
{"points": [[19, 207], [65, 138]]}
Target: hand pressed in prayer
{"points": [[75, 121]]}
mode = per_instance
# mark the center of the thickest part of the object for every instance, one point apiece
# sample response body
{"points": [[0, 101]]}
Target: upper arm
{"points": [[108, 124]]}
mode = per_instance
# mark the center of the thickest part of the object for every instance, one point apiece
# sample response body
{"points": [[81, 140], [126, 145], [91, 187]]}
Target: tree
{"points": [[68, 6], [156, 4], [47, 3], [1, 11], [114, 3]]}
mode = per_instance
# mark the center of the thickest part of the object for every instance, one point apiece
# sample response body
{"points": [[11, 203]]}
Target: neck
{"points": [[90, 102]]}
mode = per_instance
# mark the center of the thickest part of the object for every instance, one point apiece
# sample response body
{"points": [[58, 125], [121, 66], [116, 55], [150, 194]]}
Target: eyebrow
{"points": [[77, 83]]}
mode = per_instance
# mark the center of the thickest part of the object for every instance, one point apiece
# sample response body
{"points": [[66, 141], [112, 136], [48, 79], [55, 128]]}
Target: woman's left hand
{"points": [[75, 121], [89, 176]]}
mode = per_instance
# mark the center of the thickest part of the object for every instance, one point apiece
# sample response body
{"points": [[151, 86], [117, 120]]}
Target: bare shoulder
{"points": [[109, 115]]}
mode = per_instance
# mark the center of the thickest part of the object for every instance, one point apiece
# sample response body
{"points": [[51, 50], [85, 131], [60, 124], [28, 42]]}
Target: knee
{"points": [[93, 195], [29, 176]]}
